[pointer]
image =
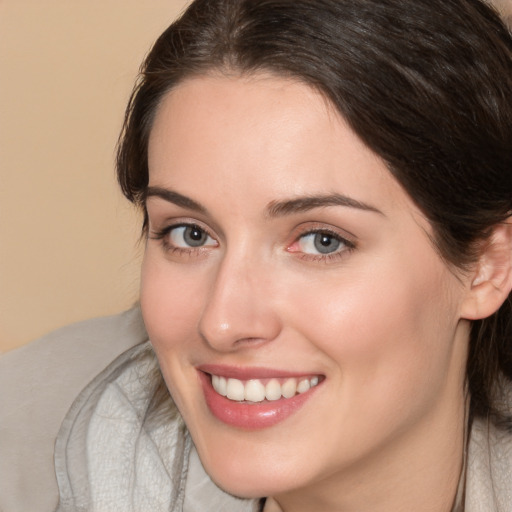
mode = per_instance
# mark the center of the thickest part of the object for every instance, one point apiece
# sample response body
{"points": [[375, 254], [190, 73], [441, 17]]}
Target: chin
{"points": [[240, 472], [252, 485]]}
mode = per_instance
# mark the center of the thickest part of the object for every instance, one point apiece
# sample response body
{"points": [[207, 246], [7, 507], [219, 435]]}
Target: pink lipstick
{"points": [[255, 398]]}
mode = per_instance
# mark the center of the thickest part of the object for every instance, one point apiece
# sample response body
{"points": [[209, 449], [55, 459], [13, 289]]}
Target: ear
{"points": [[492, 278]]}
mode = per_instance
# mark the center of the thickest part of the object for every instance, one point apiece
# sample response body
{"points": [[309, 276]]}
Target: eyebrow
{"points": [[304, 204], [174, 197], [274, 208]]}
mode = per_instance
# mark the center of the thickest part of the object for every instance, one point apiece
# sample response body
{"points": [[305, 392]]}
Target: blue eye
{"points": [[189, 236], [320, 242]]}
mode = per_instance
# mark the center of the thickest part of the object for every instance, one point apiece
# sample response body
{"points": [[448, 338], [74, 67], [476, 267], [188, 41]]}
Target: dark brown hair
{"points": [[426, 84]]}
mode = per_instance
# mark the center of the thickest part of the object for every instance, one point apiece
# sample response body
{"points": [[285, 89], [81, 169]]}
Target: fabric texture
{"points": [[38, 383], [489, 469]]}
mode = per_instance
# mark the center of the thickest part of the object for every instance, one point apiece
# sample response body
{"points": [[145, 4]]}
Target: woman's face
{"points": [[285, 263]]}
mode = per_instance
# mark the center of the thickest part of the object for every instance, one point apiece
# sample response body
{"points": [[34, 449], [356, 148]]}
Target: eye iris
{"points": [[194, 236], [325, 243]]}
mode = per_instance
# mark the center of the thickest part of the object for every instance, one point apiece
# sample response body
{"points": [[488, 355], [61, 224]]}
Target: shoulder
{"points": [[38, 384], [111, 454], [489, 467]]}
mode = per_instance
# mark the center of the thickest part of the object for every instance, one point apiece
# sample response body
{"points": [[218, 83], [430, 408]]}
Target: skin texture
{"points": [[381, 318]]}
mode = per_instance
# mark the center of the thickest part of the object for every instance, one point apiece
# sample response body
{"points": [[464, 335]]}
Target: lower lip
{"points": [[251, 416]]}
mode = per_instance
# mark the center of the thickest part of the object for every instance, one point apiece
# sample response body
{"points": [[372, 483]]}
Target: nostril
{"points": [[251, 341]]}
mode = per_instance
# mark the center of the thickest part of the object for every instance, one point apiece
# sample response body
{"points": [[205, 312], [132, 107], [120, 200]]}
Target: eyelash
{"points": [[163, 236], [349, 245]]}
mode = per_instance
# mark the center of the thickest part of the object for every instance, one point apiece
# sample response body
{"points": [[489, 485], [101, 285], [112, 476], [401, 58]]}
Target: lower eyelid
{"points": [[170, 247], [345, 248], [324, 258]]}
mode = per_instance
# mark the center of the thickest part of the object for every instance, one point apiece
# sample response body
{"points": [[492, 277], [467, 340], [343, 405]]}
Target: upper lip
{"points": [[250, 372]]}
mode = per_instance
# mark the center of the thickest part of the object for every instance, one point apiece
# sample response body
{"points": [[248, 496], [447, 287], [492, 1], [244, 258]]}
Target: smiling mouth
{"points": [[262, 390], [257, 397]]}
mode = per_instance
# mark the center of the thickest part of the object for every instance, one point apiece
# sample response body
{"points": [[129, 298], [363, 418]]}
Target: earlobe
{"points": [[492, 279]]}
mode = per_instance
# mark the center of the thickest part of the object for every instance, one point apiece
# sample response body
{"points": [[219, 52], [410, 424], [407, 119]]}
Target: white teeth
{"points": [[304, 385], [219, 384], [235, 389], [255, 391], [223, 386], [289, 388], [273, 390]]}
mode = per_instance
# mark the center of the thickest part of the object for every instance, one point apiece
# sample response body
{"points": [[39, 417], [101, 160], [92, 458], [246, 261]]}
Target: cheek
{"points": [[169, 302], [170, 309], [390, 339]]}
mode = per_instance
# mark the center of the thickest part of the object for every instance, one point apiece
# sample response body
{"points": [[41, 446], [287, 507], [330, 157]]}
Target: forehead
{"points": [[266, 134]]}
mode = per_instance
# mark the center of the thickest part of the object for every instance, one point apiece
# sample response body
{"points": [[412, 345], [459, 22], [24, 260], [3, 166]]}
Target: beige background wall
{"points": [[68, 240], [505, 7]]}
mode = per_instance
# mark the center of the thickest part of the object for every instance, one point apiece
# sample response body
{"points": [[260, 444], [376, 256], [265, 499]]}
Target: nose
{"points": [[239, 311]]}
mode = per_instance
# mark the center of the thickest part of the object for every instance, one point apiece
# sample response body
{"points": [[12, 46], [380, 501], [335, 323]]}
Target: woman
{"points": [[327, 192]]}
